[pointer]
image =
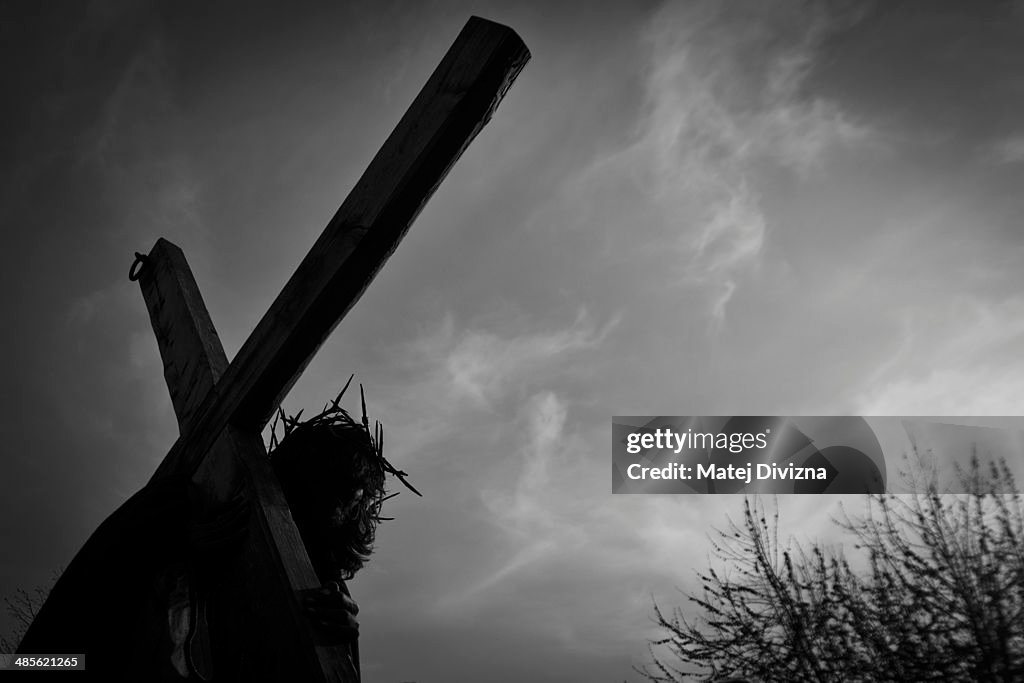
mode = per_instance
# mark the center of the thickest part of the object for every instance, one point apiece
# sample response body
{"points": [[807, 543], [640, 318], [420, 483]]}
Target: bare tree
{"points": [[933, 591], [22, 607]]}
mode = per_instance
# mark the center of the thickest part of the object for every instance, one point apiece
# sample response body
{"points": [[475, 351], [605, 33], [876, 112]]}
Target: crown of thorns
{"points": [[335, 418]]}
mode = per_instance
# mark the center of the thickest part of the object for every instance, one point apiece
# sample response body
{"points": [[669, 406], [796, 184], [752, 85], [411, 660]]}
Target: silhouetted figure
{"points": [[141, 594]]}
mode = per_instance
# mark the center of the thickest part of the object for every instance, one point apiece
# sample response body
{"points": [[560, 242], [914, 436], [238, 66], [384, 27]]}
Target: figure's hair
{"points": [[324, 463]]}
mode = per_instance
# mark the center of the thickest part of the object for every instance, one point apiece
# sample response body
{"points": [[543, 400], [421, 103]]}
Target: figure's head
{"points": [[332, 471], [334, 487]]}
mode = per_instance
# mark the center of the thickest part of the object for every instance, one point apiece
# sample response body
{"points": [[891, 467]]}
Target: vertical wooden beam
{"points": [[193, 357], [274, 641]]}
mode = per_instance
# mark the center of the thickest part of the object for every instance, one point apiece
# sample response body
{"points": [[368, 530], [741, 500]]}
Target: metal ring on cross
{"points": [[137, 265]]}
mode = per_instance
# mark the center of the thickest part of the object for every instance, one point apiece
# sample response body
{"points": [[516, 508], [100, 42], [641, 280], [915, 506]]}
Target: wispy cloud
{"points": [[964, 362], [557, 519], [479, 365], [1008, 150], [452, 388], [724, 101], [725, 93], [548, 455]]}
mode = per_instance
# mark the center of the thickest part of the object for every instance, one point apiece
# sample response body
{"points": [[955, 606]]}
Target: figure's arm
{"points": [[92, 600]]}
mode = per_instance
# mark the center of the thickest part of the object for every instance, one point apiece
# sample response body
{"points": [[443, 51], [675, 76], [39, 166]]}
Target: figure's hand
{"points": [[333, 611]]}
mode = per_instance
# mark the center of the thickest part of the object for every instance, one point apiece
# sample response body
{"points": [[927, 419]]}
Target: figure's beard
{"points": [[343, 549]]}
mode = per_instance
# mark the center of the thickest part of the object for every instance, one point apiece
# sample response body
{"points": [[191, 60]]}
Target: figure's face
{"points": [[340, 546], [332, 495], [344, 511]]}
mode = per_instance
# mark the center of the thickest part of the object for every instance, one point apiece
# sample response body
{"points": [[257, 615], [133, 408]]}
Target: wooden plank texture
{"points": [[193, 357], [272, 568], [456, 102]]}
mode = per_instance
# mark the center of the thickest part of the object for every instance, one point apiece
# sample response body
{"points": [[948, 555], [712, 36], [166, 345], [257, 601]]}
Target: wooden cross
{"points": [[222, 407]]}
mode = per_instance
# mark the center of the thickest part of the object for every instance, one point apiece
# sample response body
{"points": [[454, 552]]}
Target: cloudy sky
{"points": [[712, 208]]}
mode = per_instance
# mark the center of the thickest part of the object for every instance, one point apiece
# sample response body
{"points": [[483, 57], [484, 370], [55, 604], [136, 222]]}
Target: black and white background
{"points": [[706, 208]]}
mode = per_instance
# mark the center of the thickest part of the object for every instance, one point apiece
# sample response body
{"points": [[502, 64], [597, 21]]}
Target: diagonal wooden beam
{"points": [[273, 568], [456, 102]]}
